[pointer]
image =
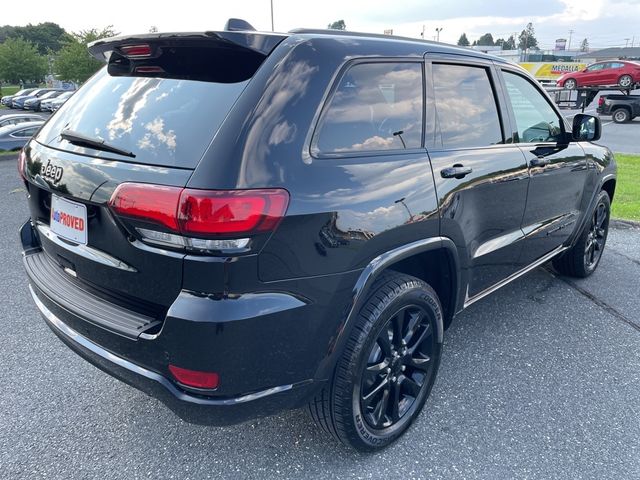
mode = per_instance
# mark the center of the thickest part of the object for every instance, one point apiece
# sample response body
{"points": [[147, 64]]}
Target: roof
{"points": [[613, 52], [265, 42], [427, 45]]}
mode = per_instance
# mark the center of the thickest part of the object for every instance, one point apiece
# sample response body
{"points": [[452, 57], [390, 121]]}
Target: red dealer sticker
{"points": [[68, 219]]}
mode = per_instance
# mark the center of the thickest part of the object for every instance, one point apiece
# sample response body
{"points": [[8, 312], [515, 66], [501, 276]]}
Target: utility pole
{"points": [[569, 45], [438, 30], [422, 33], [272, 16], [626, 42]]}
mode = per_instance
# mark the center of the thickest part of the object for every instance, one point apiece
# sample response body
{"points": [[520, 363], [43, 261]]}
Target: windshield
{"points": [[163, 122]]}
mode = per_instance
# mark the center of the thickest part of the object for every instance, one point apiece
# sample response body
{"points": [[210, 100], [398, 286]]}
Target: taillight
{"points": [[152, 203], [601, 101], [200, 219], [195, 378], [136, 51], [234, 212]]}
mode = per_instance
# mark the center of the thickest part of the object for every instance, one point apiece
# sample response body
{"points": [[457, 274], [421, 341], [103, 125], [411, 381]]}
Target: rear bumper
{"points": [[190, 407], [272, 349]]}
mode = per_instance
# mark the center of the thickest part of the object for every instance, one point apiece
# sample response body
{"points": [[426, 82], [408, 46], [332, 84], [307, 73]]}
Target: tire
{"points": [[583, 258], [621, 115], [570, 83], [625, 81], [359, 406]]}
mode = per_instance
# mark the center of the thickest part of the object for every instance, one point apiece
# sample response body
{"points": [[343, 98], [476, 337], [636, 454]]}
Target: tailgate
{"points": [[111, 261]]}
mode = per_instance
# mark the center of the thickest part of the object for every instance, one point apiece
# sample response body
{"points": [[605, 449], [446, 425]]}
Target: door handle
{"points": [[539, 162], [457, 171]]}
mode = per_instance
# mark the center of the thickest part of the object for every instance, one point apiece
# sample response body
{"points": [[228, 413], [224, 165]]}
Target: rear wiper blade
{"points": [[97, 143]]}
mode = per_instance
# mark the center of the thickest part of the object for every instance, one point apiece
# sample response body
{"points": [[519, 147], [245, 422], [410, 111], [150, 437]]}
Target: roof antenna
{"points": [[238, 25]]}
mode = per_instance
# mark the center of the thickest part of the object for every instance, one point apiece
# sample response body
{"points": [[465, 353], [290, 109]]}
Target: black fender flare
{"points": [[366, 279]]}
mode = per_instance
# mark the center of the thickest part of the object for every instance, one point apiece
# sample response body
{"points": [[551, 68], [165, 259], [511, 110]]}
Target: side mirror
{"points": [[586, 128]]}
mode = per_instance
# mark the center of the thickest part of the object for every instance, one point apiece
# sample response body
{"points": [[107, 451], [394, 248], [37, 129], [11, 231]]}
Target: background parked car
{"points": [[18, 102], [34, 103], [6, 100], [618, 72], [15, 118], [14, 137], [56, 103]]}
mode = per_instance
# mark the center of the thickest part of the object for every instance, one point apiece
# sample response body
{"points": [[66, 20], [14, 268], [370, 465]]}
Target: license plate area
{"points": [[68, 220]]}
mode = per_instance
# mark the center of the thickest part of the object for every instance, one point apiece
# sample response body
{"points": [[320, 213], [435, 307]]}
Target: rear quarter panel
{"points": [[343, 211]]}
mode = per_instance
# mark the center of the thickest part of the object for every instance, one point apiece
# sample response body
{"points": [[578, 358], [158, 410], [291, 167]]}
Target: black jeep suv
{"points": [[238, 222]]}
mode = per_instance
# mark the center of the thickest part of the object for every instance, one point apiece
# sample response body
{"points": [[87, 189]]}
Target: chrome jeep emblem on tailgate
{"points": [[51, 172]]}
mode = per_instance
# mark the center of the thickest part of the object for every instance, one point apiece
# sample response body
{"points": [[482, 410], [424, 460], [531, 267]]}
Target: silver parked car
{"points": [[15, 118], [51, 105], [14, 137]]}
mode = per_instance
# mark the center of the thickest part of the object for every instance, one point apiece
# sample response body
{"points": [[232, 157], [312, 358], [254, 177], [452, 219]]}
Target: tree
{"points": [[509, 43], [584, 46], [527, 38], [74, 61], [47, 36], [7, 31], [20, 61], [463, 41], [337, 25], [153, 29], [486, 40]]}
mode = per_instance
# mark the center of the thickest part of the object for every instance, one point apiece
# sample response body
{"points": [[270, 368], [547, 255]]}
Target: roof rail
{"points": [[238, 25]]}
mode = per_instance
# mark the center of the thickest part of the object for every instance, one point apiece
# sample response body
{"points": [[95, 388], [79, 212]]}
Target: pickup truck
{"points": [[622, 108]]}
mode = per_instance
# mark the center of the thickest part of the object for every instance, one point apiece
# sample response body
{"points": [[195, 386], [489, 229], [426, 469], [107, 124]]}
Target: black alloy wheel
{"points": [[582, 259], [387, 367], [398, 368], [596, 236]]}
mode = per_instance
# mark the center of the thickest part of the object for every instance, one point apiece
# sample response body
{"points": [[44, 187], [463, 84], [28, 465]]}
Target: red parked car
{"points": [[616, 72]]}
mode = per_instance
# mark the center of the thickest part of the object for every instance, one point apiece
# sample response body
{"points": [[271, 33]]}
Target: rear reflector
{"points": [[202, 213], [194, 378]]}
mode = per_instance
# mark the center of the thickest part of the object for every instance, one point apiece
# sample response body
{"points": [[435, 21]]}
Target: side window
{"points": [[536, 120], [465, 106], [595, 67], [377, 106], [26, 133], [617, 65]]}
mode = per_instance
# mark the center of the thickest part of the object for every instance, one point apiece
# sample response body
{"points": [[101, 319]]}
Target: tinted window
{"points": [[465, 106], [162, 121], [377, 106], [25, 133], [536, 120]]}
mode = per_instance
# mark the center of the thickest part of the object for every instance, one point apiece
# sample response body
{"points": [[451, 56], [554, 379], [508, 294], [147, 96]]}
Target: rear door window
{"points": [[466, 110], [376, 107], [165, 122]]}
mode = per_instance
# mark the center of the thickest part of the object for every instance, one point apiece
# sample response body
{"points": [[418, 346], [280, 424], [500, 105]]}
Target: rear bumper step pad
{"points": [[53, 282]]}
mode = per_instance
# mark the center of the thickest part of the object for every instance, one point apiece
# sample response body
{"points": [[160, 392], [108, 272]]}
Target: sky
{"points": [[604, 23]]}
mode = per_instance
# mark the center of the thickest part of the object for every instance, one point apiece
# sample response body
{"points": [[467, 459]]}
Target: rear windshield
{"points": [[163, 122]]}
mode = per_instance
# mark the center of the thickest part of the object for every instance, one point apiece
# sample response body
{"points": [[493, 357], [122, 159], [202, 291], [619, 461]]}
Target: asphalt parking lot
{"points": [[619, 137], [540, 380]]}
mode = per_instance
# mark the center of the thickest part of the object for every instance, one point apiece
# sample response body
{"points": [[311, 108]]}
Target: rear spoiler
{"points": [[259, 42], [192, 56]]}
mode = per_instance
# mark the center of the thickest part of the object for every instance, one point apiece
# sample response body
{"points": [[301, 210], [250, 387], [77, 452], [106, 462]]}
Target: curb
{"points": [[625, 224]]}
